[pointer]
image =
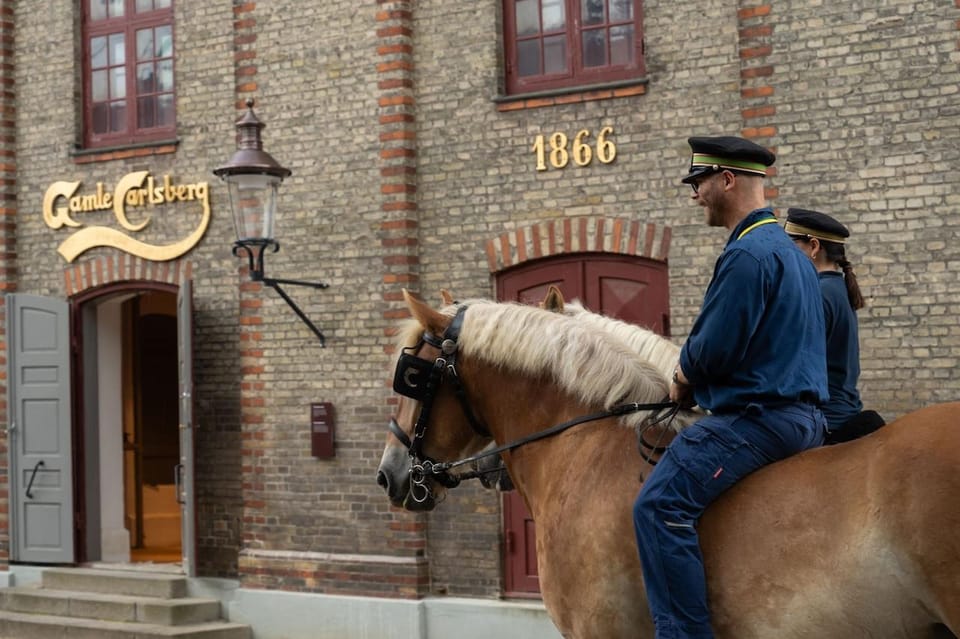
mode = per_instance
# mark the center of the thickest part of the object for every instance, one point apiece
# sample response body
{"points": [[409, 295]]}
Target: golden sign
{"points": [[134, 190]]}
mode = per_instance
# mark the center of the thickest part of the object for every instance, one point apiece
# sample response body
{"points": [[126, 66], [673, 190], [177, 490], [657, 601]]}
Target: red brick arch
{"points": [[123, 268], [578, 235]]}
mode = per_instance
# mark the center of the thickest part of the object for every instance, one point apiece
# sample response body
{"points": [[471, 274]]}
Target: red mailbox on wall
{"points": [[321, 429]]}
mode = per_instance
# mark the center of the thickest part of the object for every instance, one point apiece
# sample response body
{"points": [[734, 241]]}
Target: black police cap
{"points": [[727, 152], [815, 224]]}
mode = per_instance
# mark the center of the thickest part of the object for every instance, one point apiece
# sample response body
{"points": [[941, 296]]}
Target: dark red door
{"points": [[633, 289]]}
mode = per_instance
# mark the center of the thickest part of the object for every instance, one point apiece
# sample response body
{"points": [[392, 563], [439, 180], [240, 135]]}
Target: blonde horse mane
{"points": [[654, 348], [590, 365]]}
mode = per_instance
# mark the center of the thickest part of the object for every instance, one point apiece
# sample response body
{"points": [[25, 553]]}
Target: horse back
{"points": [[850, 537]]}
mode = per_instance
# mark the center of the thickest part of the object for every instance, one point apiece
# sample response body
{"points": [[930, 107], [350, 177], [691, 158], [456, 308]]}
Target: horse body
{"points": [[855, 540], [845, 541]]}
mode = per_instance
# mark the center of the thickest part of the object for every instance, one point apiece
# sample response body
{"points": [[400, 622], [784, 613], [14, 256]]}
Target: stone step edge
{"points": [[37, 590], [144, 575], [133, 609], [142, 584], [136, 629]]}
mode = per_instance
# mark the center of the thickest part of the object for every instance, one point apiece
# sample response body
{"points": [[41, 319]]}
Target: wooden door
{"points": [[40, 438], [632, 289]]}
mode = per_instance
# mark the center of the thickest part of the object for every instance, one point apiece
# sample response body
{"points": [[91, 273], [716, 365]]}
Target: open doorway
{"points": [[151, 448], [129, 421]]}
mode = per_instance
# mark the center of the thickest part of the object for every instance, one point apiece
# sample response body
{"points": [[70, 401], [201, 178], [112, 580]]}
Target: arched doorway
{"points": [[628, 287], [126, 423]]}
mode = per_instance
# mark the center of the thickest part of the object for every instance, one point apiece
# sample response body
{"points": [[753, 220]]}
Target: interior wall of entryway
{"points": [[114, 535]]}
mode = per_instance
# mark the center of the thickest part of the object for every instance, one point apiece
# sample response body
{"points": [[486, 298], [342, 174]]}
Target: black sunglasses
{"points": [[695, 184]]}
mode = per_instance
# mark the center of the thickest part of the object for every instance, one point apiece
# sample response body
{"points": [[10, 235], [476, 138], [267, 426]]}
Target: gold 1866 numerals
{"points": [[556, 149]]}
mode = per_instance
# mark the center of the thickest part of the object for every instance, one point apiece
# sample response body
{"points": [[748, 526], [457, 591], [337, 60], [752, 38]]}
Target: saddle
{"points": [[859, 425]]}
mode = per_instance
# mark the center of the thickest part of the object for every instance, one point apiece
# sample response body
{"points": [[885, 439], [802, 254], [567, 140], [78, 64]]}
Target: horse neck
{"points": [[515, 406]]}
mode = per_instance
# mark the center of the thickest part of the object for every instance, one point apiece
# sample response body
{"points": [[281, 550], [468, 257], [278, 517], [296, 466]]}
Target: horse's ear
{"points": [[445, 297], [429, 319], [554, 300]]}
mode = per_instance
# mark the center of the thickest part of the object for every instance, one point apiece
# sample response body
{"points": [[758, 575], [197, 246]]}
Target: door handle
{"points": [[33, 476], [177, 479]]}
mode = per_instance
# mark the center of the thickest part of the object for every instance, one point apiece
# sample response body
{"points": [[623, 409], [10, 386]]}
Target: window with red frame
{"points": [[128, 83], [556, 44]]}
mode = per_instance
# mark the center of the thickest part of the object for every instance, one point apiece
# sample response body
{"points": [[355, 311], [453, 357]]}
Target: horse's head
{"points": [[482, 370], [434, 421]]}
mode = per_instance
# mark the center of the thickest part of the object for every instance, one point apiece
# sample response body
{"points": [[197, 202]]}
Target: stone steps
{"points": [[82, 603]]}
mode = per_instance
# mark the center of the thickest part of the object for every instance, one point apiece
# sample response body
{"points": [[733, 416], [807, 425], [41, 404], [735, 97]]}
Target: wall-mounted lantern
{"points": [[253, 179]]}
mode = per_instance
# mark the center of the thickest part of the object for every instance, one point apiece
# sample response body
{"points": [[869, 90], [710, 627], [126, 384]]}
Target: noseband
{"points": [[420, 379]]}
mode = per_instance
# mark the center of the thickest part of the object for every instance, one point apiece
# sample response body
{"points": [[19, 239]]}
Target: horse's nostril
{"points": [[382, 480]]}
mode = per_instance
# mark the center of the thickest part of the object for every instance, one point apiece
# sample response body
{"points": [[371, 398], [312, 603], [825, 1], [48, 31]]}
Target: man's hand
{"points": [[681, 391]]}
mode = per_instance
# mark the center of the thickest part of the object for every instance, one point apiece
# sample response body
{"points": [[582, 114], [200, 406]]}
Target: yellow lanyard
{"points": [[755, 225]]}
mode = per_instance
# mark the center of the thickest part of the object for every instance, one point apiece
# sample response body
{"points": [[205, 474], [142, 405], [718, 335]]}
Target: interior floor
{"points": [[156, 554]]}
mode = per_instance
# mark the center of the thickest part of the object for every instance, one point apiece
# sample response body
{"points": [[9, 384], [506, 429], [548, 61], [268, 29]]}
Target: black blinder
{"points": [[412, 376]]}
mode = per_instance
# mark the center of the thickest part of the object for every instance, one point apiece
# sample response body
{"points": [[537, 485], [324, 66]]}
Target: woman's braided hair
{"points": [[837, 255]]}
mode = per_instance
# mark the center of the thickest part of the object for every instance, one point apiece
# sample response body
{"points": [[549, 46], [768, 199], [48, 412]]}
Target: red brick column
{"points": [[756, 92], [254, 436], [8, 247], [399, 230]]}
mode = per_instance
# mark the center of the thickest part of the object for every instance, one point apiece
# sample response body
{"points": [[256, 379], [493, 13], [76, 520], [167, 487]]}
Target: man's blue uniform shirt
{"points": [[759, 337]]}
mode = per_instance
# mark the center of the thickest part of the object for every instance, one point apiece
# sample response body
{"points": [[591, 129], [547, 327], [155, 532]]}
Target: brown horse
{"points": [[856, 540]]}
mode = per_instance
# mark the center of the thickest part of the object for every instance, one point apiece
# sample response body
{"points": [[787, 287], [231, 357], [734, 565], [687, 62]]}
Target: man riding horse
{"points": [[755, 358]]}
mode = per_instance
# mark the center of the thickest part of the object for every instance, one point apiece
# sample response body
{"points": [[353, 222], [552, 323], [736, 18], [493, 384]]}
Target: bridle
{"points": [[420, 379]]}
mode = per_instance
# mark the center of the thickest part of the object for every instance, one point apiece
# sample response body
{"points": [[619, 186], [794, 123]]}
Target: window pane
{"points": [[117, 49], [118, 116], [100, 118], [144, 5], [145, 79], [98, 9], [591, 11], [161, 4], [165, 114], [144, 44], [621, 44], [98, 86], [594, 48], [118, 82], [621, 10], [554, 15], [98, 52], [116, 8], [528, 17], [528, 57], [164, 42], [555, 54], [146, 112], [165, 75]]}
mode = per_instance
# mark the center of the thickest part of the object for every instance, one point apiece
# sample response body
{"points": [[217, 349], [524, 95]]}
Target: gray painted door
{"points": [[185, 478], [41, 464]]}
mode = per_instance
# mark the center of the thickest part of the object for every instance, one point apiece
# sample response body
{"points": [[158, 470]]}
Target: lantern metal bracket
{"points": [[254, 249]]}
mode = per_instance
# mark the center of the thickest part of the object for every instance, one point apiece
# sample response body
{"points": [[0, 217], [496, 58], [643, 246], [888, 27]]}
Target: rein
{"points": [[406, 382]]}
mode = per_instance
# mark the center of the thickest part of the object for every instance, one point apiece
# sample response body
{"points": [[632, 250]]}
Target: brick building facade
{"points": [[413, 167]]}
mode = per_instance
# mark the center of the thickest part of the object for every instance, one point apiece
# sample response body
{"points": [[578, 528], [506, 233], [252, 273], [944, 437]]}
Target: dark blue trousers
{"points": [[702, 462]]}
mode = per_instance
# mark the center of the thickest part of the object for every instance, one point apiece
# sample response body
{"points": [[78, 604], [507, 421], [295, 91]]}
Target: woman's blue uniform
{"points": [[843, 351]]}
